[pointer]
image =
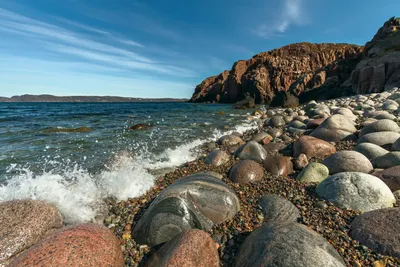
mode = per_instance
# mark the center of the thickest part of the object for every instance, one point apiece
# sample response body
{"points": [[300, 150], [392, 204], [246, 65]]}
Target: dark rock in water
{"points": [[83, 129], [217, 158], [277, 209], [278, 165], [140, 126], [23, 223], [287, 244], [246, 171], [391, 177], [284, 99], [193, 248], [251, 150], [230, 140], [195, 202], [248, 102], [378, 230], [76, 245]]}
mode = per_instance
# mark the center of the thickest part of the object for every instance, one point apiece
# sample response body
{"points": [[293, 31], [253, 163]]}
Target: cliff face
{"points": [[296, 67], [380, 66]]}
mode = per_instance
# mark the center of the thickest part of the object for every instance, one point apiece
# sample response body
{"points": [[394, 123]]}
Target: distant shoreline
{"points": [[83, 99]]}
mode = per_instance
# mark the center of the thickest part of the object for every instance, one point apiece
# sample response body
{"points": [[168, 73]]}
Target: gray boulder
{"points": [[380, 126], [335, 128], [251, 150], [380, 138], [195, 202], [277, 209], [370, 150], [230, 140], [388, 160], [287, 244], [396, 145], [347, 161], [357, 191]]}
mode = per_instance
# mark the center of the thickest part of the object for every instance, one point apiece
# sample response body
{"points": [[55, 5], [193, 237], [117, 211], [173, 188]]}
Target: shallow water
{"points": [[45, 154]]}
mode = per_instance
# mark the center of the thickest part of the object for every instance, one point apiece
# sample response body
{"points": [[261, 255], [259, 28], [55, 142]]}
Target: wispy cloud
{"points": [[291, 13], [68, 42]]}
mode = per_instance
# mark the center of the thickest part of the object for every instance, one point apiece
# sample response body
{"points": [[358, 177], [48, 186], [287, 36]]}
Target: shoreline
{"points": [[331, 222]]}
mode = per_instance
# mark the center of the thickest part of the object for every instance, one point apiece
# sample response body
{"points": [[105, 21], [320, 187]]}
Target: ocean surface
{"points": [[43, 156]]}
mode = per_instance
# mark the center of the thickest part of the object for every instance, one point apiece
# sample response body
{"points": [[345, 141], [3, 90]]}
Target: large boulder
{"points": [[77, 245], [217, 158], [287, 244], [347, 161], [357, 191], [23, 223], [391, 177], [380, 126], [193, 248], [195, 202], [312, 147], [380, 138], [277, 209], [251, 150], [284, 99], [388, 160], [246, 171], [370, 150], [378, 230], [230, 140], [335, 128]]}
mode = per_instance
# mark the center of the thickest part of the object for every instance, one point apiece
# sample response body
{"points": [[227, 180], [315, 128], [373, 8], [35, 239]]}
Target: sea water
{"points": [[46, 155]]}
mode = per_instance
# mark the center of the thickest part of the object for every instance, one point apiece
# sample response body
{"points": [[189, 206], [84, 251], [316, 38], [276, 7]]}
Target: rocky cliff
{"points": [[296, 67], [311, 71], [380, 67]]}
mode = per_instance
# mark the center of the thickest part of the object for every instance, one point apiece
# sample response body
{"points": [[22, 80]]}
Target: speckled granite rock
{"points": [[23, 223], [357, 191], [287, 244], [378, 230], [77, 245], [347, 161], [193, 248], [277, 209], [194, 202]]}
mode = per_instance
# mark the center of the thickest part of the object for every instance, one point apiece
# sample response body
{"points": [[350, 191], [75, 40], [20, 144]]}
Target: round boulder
{"points": [[217, 158], [246, 171], [251, 150], [380, 138], [77, 245], [278, 165], [357, 191], [230, 140], [391, 177], [277, 209], [347, 161], [388, 160], [260, 137], [370, 150], [313, 173], [378, 230], [193, 248], [287, 244], [380, 126], [312, 147], [335, 128], [276, 121], [197, 201], [23, 223]]}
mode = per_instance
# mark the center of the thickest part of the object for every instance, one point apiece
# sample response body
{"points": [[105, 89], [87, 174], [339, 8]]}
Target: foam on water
{"points": [[79, 195]]}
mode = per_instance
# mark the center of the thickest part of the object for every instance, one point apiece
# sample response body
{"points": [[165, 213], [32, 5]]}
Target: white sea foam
{"points": [[78, 194]]}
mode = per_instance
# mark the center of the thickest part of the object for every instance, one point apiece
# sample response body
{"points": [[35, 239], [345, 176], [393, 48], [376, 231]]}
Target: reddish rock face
{"points": [[23, 223], [246, 171], [193, 248], [77, 245], [312, 147], [295, 67]]}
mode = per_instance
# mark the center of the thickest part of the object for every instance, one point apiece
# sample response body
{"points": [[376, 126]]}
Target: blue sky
{"points": [[159, 48]]}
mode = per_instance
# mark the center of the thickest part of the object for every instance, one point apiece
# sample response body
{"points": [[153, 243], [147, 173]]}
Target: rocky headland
{"points": [[313, 185], [310, 71]]}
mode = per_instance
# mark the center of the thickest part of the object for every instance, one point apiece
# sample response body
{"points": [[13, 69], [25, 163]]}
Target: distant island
{"points": [[53, 98]]}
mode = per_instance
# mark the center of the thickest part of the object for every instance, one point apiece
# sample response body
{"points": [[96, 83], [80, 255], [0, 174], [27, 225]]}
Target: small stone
{"points": [[321, 205], [313, 173], [301, 161]]}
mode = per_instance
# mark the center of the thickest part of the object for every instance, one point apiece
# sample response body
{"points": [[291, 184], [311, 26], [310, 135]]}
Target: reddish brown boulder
{"points": [[193, 248], [246, 171], [391, 177], [77, 245], [312, 147], [23, 223], [278, 165]]}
